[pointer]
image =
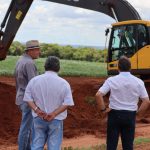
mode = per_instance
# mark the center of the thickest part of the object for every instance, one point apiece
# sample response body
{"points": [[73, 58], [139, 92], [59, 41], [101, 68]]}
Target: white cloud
{"points": [[143, 8], [140, 4], [51, 22], [3, 7]]}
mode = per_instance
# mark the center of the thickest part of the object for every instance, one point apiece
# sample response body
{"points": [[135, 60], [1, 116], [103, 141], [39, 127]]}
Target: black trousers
{"points": [[120, 122]]}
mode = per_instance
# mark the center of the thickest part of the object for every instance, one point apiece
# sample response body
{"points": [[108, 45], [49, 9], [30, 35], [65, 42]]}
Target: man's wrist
{"points": [[35, 109], [102, 110]]}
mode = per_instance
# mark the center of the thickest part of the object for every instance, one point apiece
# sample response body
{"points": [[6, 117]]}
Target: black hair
{"points": [[52, 64], [124, 64]]}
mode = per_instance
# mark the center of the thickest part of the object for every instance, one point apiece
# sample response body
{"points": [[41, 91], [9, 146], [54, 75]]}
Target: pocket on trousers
{"points": [[24, 107]]}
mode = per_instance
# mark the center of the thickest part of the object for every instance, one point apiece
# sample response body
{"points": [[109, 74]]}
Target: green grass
{"points": [[141, 140], [90, 100], [68, 67], [7, 66]]}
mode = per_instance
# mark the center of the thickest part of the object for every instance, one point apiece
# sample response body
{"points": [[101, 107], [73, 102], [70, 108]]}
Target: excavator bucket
{"points": [[120, 10]]}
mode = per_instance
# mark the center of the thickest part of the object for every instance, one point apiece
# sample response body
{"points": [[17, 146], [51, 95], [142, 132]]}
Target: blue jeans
{"points": [[24, 137], [50, 132]]}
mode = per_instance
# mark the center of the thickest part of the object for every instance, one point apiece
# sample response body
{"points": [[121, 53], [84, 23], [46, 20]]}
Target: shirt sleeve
{"points": [[105, 88], [28, 92], [31, 70], [68, 100], [143, 92]]}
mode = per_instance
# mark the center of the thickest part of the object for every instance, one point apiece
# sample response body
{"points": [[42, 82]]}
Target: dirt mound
{"points": [[10, 117], [82, 118]]}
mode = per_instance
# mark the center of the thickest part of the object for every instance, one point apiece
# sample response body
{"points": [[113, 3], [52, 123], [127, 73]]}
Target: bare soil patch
{"points": [[83, 122]]}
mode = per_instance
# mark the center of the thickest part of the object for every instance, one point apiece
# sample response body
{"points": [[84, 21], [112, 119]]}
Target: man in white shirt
{"points": [[125, 92], [49, 96]]}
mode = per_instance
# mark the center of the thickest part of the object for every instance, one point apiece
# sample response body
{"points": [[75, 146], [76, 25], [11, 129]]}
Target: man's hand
{"points": [[40, 113], [108, 110], [105, 112], [50, 116]]}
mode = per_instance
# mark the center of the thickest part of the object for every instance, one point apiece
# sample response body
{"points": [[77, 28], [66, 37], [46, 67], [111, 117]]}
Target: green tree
{"points": [[66, 52], [104, 55], [16, 49]]}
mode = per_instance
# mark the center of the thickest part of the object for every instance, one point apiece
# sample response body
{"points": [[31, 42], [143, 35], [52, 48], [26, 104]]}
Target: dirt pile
{"points": [[82, 118], [10, 117]]}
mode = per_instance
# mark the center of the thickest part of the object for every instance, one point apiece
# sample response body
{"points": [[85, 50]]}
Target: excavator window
{"points": [[142, 36], [123, 41]]}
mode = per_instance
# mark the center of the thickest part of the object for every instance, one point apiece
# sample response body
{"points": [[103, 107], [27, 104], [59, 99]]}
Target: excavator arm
{"points": [[11, 23], [120, 10]]}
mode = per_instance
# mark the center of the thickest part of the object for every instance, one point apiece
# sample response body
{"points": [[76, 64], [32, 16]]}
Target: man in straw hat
{"points": [[25, 70]]}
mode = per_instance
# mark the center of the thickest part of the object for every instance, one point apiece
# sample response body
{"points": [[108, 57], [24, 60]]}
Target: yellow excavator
{"points": [[130, 38], [130, 35]]}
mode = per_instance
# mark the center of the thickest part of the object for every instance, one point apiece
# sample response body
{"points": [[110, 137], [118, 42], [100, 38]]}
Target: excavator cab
{"points": [[131, 39]]}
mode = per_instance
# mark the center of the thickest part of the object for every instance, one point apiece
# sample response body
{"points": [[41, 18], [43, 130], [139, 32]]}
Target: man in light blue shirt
{"points": [[125, 92], [49, 96]]}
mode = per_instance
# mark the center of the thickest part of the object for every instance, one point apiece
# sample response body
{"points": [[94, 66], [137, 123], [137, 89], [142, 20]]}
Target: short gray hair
{"points": [[52, 63]]}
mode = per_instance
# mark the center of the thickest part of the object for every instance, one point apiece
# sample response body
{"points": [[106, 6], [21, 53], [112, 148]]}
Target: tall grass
{"points": [[68, 67], [7, 66]]}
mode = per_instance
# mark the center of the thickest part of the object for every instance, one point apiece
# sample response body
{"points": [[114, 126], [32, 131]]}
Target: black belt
{"points": [[125, 111]]}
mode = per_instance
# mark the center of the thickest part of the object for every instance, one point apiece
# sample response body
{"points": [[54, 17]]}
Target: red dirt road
{"points": [[82, 118]]}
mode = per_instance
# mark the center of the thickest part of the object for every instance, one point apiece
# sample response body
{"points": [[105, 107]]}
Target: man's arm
{"points": [[100, 101], [36, 109], [31, 70], [144, 106], [68, 101], [145, 100], [56, 112]]}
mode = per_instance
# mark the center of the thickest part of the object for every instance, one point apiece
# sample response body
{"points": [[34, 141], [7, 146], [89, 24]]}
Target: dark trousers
{"points": [[120, 122]]}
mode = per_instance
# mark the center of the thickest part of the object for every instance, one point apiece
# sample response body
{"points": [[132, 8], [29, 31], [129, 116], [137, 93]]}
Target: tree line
{"points": [[63, 52]]}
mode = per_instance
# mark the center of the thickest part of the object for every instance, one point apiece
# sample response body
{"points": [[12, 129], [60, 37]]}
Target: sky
{"points": [[55, 23]]}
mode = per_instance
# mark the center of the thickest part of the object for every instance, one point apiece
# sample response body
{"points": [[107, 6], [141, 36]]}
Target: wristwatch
{"points": [[102, 110], [35, 109]]}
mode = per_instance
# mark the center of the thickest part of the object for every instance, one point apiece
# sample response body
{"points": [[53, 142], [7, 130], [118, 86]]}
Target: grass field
{"points": [[68, 67]]}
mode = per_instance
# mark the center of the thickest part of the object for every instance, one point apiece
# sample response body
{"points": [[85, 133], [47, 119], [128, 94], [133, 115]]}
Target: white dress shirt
{"points": [[125, 91], [49, 91]]}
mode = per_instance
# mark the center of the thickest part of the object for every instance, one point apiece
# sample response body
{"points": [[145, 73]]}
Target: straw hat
{"points": [[32, 44]]}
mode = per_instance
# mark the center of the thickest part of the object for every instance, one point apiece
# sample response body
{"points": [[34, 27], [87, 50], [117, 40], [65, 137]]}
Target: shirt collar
{"points": [[26, 55], [51, 72], [125, 73]]}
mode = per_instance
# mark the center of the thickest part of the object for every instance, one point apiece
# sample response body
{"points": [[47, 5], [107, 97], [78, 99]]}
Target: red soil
{"points": [[82, 118]]}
